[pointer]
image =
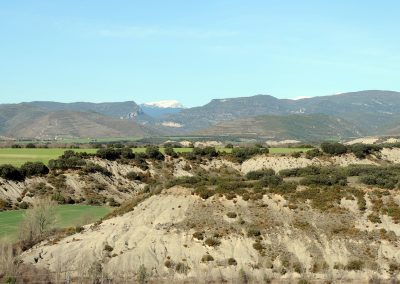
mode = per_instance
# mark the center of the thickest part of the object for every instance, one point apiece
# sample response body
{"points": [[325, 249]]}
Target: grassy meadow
{"points": [[18, 156], [66, 216]]}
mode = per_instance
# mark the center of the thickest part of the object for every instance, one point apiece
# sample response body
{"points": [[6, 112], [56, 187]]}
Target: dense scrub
{"points": [[361, 151], [29, 169]]}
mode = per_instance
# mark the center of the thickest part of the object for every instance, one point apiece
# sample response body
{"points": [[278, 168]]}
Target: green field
{"points": [[67, 216], [18, 156]]}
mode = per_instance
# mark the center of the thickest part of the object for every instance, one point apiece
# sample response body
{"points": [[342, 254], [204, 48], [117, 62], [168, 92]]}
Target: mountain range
{"points": [[339, 116]]}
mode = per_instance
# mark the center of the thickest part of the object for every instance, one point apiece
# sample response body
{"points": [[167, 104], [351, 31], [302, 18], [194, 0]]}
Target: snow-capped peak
{"points": [[165, 104]]}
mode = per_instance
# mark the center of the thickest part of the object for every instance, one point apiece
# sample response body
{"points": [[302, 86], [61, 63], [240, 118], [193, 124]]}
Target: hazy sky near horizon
{"points": [[194, 51]]}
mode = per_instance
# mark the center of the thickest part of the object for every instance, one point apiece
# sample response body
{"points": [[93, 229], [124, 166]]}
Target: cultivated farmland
{"points": [[19, 156]]}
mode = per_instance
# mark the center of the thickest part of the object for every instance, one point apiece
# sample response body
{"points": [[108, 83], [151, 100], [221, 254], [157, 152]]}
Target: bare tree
{"points": [[8, 259], [38, 221]]}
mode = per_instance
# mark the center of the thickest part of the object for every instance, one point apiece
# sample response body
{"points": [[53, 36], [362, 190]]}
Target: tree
{"points": [[169, 151], [9, 172], [153, 152], [333, 148], [34, 168], [38, 221], [109, 154], [30, 145]]}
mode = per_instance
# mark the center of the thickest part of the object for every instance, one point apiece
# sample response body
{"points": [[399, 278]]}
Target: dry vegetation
{"points": [[192, 217]]}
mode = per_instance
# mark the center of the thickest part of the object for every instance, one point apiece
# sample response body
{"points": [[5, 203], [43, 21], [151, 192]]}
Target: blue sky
{"points": [[194, 51]]}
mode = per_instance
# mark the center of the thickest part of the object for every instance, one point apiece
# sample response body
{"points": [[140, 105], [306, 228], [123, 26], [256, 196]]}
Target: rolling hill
{"points": [[371, 112], [342, 116], [69, 124], [33, 121], [300, 127]]}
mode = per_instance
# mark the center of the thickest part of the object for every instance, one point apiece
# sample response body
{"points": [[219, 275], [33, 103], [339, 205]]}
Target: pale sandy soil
{"points": [[364, 140], [155, 232]]}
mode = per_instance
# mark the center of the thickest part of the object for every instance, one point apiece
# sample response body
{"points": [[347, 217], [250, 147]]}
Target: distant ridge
{"points": [[339, 116]]}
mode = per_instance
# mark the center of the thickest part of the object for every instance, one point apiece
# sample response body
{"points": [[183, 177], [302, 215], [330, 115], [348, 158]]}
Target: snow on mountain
{"points": [[164, 104]]}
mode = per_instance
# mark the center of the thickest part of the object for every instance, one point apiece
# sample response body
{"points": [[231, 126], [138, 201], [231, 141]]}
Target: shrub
{"points": [[137, 176], [327, 176], [182, 268], [126, 153], [169, 151], [169, 263], [374, 218], [384, 178], [111, 202], [242, 154], [362, 150], [142, 274], [258, 246], [355, 265], [108, 248], [256, 175], [271, 181], [313, 153], [23, 205], [253, 232], [232, 261], [204, 193], [356, 170], [109, 154], [296, 155], [198, 235], [206, 151], [212, 242], [34, 168], [333, 148], [58, 197], [9, 172], [95, 168], [231, 215], [207, 258], [30, 146], [153, 152], [70, 160]]}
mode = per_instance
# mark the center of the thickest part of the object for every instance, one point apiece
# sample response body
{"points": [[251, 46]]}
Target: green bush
{"points": [[355, 265], [270, 181], [34, 169], [242, 154], [333, 148], [256, 175], [232, 261], [207, 258], [363, 150], [325, 179], [384, 177], [126, 153], [9, 172], [231, 215], [300, 172], [313, 153], [206, 151], [153, 152], [70, 160], [109, 154], [95, 168], [212, 242], [30, 146], [169, 151]]}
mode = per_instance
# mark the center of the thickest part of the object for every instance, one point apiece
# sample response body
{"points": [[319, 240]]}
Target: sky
{"points": [[195, 51]]}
